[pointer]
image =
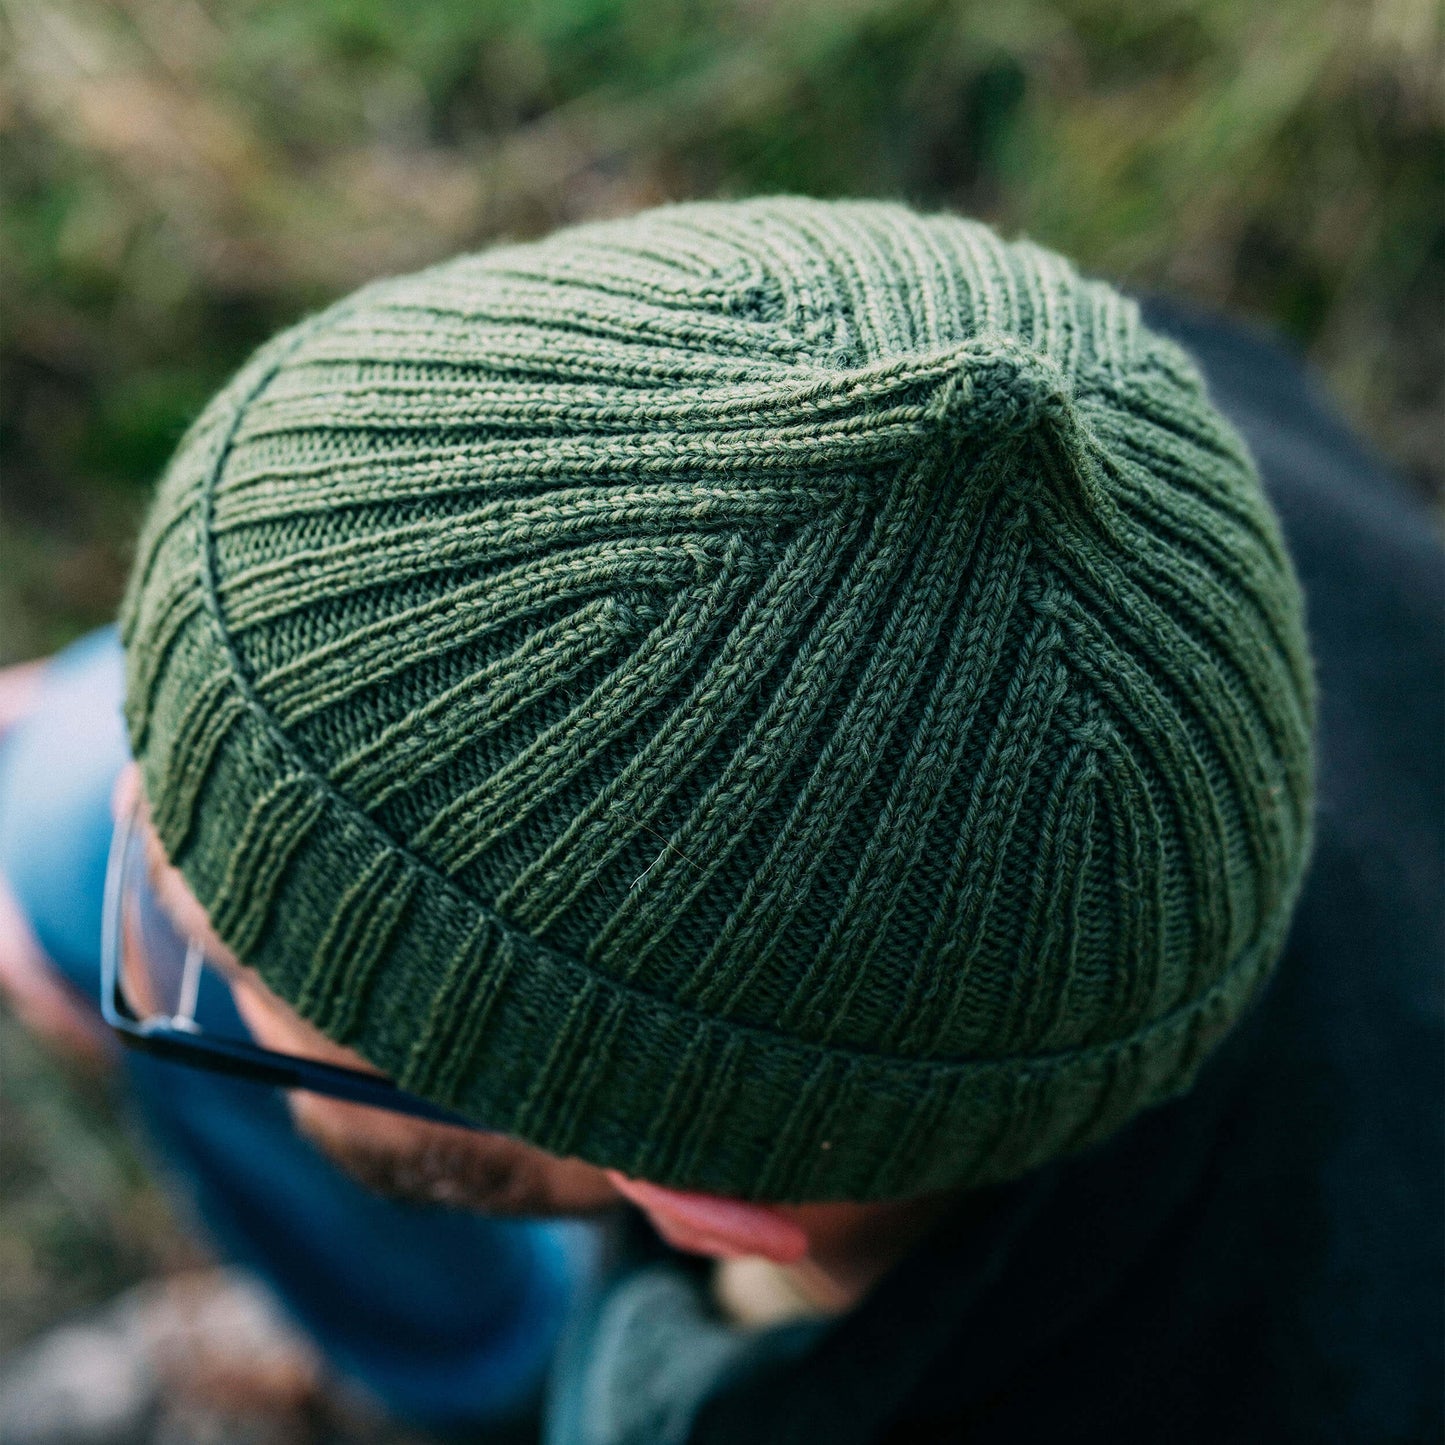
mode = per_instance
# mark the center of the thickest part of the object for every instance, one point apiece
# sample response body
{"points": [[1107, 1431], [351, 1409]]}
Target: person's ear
{"points": [[711, 1225]]}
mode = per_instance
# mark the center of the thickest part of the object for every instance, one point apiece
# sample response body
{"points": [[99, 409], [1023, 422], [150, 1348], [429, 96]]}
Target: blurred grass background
{"points": [[182, 177]]}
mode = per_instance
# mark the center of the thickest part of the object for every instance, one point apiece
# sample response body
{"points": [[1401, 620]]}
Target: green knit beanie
{"points": [[800, 700]]}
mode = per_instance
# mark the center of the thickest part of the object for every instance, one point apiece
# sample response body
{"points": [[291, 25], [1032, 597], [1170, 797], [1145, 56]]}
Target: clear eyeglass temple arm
{"points": [[185, 1014]]}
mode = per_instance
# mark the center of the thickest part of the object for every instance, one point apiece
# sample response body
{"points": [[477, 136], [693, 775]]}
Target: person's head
{"points": [[792, 701], [425, 1162]]}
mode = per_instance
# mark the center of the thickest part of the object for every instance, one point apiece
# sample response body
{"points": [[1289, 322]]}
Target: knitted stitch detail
{"points": [[796, 699]]}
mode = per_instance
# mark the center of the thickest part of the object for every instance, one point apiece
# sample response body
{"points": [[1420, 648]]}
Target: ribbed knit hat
{"points": [[800, 700]]}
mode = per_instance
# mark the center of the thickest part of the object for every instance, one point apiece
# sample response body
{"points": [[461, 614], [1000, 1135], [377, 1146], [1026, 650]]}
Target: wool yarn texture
{"points": [[795, 699]]}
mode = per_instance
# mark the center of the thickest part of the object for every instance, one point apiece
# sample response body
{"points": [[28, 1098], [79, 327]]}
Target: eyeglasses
{"points": [[162, 996]]}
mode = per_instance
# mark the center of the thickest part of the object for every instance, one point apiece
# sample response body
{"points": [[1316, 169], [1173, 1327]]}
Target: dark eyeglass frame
{"points": [[181, 1040]]}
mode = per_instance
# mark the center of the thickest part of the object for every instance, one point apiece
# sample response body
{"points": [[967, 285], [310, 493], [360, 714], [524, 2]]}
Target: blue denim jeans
{"points": [[448, 1318]]}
